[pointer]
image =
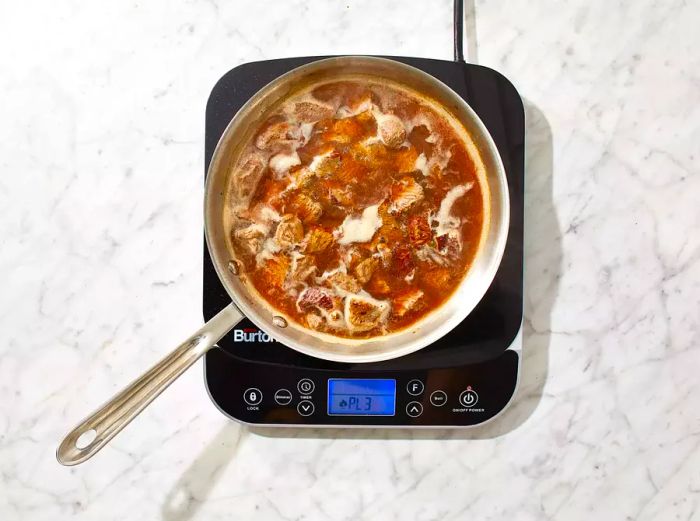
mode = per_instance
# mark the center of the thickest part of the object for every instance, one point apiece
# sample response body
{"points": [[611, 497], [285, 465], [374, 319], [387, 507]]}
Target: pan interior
{"points": [[473, 286]]}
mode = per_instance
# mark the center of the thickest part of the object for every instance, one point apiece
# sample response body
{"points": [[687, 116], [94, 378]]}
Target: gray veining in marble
{"points": [[101, 153]]}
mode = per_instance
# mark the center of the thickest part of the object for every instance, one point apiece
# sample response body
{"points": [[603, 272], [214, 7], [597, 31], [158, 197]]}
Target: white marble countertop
{"points": [[101, 153]]}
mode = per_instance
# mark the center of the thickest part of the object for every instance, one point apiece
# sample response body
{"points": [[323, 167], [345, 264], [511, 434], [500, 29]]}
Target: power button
{"points": [[468, 398]]}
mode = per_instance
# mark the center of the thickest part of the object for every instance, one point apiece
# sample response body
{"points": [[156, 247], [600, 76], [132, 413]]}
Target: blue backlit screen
{"points": [[355, 397]]}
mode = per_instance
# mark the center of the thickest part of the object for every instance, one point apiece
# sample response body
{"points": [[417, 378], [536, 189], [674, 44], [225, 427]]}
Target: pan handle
{"points": [[96, 430]]}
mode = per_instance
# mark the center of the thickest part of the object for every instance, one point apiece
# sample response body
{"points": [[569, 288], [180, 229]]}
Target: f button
{"points": [[415, 387]]}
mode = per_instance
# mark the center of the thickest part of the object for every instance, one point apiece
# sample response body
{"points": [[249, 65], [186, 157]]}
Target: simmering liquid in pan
{"points": [[357, 207]]}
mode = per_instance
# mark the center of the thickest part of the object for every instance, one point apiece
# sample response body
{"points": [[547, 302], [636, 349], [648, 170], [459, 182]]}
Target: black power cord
{"points": [[458, 25]]}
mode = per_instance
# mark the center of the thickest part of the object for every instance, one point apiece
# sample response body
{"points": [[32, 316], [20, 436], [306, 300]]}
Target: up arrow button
{"points": [[414, 409]]}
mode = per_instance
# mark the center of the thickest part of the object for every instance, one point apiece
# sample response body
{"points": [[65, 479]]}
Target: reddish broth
{"points": [[357, 208]]}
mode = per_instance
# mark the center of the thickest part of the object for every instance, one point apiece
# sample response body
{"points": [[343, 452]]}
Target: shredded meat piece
{"points": [[303, 268], [348, 130], [318, 240], [246, 177], [391, 131], [312, 111], [325, 165], [274, 270], [402, 260], [384, 253], [345, 282], [449, 243], [308, 210], [405, 194], [353, 257], [342, 196], [315, 297], [289, 232], [365, 269], [301, 177], [378, 286], [430, 255], [390, 232], [406, 300], [406, 160], [250, 239], [419, 231], [275, 136], [355, 107], [363, 314], [314, 321]]}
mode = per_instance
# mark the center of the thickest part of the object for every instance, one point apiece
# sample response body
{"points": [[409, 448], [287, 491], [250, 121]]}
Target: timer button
{"points": [[283, 397], [252, 396], [438, 398], [414, 409], [468, 398], [306, 386], [305, 408], [415, 387]]}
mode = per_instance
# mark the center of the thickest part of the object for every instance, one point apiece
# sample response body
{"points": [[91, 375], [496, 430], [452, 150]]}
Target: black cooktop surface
{"points": [[247, 360]]}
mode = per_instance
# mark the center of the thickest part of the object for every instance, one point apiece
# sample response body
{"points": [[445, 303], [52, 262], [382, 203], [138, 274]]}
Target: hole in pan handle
{"points": [[93, 433]]}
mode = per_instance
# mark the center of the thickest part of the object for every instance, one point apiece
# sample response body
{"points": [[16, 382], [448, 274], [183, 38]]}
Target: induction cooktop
{"points": [[464, 379]]}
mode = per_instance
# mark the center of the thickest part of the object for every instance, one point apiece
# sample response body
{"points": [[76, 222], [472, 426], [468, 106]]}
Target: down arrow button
{"points": [[305, 408]]}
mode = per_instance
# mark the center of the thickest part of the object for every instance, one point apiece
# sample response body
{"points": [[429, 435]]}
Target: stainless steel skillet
{"points": [[96, 430]]}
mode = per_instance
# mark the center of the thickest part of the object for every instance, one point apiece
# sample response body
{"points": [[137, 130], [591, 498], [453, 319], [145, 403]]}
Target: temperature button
{"points": [[306, 386], [468, 398], [252, 396]]}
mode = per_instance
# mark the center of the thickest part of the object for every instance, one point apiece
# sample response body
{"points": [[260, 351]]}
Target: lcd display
{"points": [[355, 397]]}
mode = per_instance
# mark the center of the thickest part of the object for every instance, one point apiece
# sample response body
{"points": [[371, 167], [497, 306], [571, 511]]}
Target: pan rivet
{"points": [[279, 321], [233, 267]]}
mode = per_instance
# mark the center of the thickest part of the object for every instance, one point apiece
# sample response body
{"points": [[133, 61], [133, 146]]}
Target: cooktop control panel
{"points": [[282, 395]]}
